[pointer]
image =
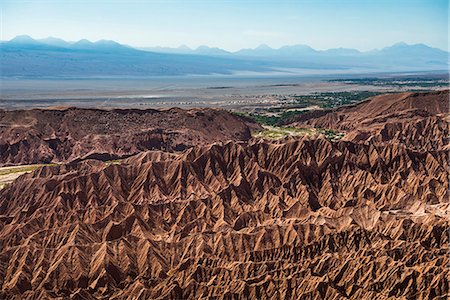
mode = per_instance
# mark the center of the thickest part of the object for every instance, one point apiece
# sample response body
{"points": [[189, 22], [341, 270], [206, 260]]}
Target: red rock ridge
{"points": [[418, 120], [44, 136], [366, 217], [259, 221]]}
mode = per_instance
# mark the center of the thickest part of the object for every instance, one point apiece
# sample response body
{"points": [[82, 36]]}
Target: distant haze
{"points": [[233, 24], [26, 57]]}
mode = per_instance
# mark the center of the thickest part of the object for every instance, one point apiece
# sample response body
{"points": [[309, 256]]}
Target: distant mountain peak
{"points": [[184, 47], [83, 42], [263, 47], [202, 47], [417, 50], [342, 51], [297, 46], [25, 56], [400, 44], [23, 39], [51, 39], [54, 42], [297, 49], [206, 50], [106, 42]]}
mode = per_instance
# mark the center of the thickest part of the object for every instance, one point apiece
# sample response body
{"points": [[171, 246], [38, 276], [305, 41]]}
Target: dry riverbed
{"points": [[279, 132], [9, 174]]}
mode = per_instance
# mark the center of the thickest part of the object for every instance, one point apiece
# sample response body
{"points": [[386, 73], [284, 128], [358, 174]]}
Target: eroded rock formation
{"points": [[417, 120], [296, 219], [62, 135]]}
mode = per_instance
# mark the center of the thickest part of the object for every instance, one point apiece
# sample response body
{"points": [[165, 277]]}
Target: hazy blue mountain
{"points": [[411, 55], [24, 43], [205, 50], [283, 52], [102, 45], [342, 52], [82, 44], [23, 40], [52, 41], [24, 56], [183, 49], [411, 50], [261, 50]]}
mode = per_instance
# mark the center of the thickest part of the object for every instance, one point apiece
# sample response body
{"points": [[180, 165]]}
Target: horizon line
{"points": [[184, 45]]}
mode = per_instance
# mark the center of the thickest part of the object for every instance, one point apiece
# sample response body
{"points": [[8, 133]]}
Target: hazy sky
{"points": [[232, 24]]}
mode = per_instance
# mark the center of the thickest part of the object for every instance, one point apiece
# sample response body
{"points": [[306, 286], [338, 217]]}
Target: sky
{"points": [[232, 24]]}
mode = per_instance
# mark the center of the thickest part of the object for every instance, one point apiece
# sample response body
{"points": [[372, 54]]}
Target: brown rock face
{"points": [[297, 219], [44, 136], [418, 120], [305, 218]]}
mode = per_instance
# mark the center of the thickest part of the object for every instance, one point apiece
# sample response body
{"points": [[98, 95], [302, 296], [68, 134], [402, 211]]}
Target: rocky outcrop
{"points": [[365, 217], [53, 136], [417, 120], [303, 219]]}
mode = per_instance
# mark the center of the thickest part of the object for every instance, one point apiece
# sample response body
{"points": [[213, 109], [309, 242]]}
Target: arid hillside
{"points": [[62, 135], [379, 109], [300, 218], [418, 120]]}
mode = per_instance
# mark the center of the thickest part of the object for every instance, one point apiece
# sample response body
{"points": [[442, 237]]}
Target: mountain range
{"points": [[24, 56]]}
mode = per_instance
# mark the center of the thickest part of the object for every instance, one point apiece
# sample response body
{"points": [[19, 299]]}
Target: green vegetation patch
{"points": [[330, 134], [279, 116], [272, 119], [9, 174], [408, 82], [113, 162], [279, 132], [275, 133], [334, 99], [21, 169]]}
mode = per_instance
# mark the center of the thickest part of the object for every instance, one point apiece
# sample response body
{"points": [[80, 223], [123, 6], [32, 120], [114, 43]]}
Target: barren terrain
{"points": [[63, 135], [307, 216]]}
